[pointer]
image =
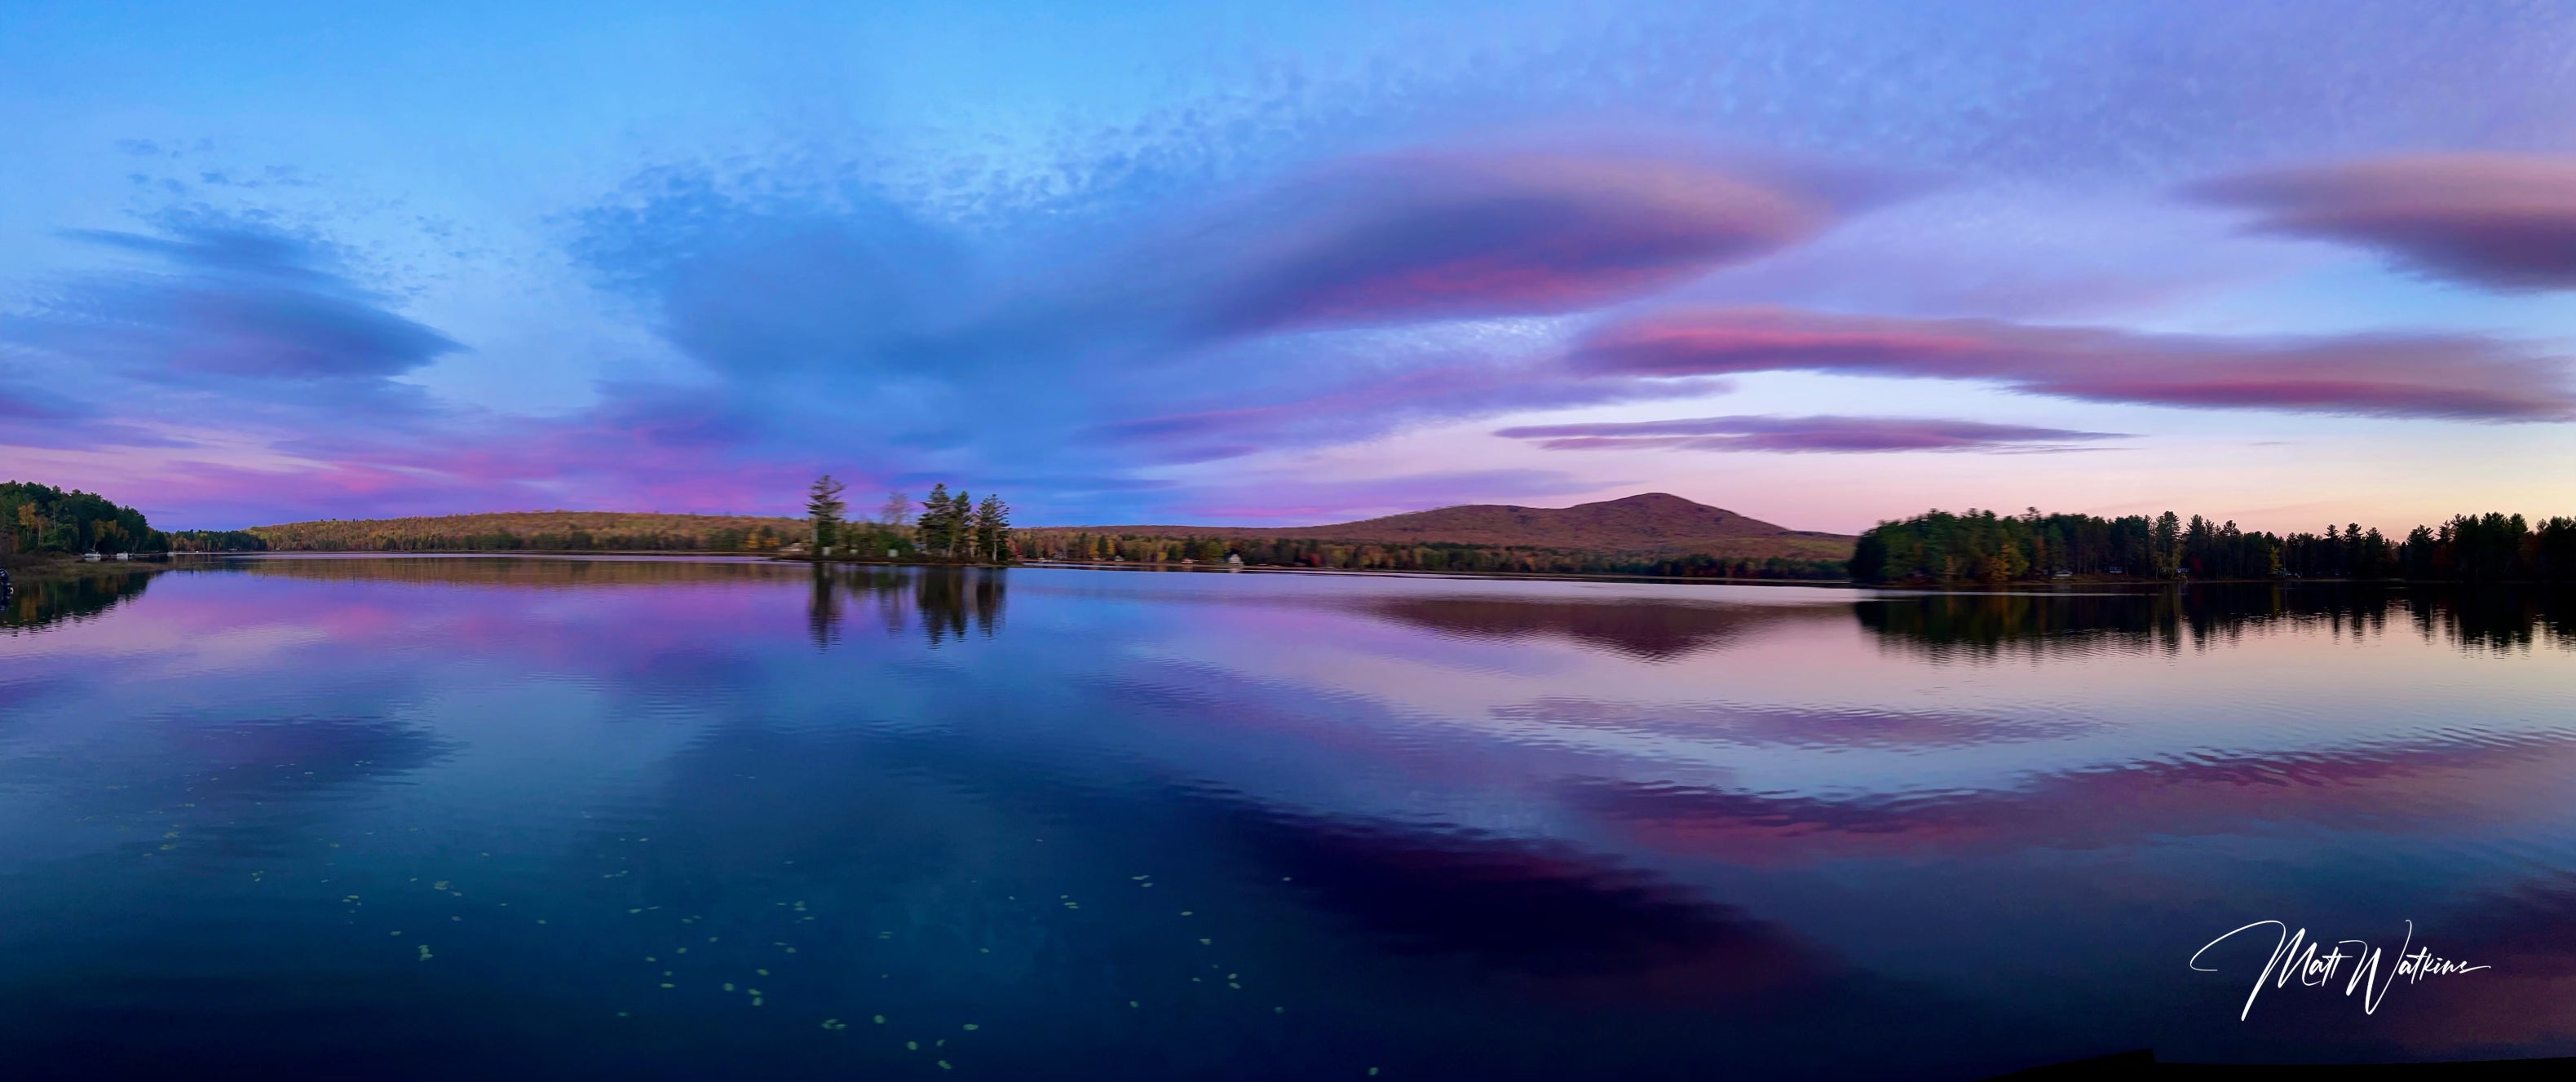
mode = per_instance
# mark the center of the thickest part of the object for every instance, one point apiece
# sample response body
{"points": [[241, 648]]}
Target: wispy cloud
{"points": [[2503, 221], [1428, 236], [229, 300], [1821, 434], [2385, 375]]}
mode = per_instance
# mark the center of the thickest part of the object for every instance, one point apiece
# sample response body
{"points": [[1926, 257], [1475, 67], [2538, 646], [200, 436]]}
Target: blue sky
{"points": [[2283, 263]]}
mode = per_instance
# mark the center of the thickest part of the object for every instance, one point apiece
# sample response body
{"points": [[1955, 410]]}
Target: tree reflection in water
{"points": [[36, 604], [943, 601], [1992, 624]]}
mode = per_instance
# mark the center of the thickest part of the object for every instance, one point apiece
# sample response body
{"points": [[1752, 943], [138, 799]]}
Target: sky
{"points": [[2287, 264]]}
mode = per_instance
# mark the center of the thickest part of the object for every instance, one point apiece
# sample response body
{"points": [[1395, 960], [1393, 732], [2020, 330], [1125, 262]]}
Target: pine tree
{"points": [[932, 531], [992, 528], [823, 505]]}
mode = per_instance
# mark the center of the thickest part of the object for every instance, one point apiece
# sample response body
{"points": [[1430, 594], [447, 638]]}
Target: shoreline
{"points": [[60, 569], [65, 569]]}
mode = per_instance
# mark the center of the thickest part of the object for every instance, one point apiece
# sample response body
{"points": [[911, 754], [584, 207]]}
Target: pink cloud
{"points": [[1374, 406], [2385, 375], [2504, 221], [1417, 236], [1802, 434]]}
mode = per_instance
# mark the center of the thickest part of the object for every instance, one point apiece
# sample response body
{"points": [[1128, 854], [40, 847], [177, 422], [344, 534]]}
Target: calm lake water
{"points": [[554, 818]]}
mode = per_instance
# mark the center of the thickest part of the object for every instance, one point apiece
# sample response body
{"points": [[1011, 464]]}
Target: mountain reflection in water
{"points": [[668, 818]]}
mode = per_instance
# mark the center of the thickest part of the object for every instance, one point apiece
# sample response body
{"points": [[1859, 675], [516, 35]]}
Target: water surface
{"points": [[559, 818]]}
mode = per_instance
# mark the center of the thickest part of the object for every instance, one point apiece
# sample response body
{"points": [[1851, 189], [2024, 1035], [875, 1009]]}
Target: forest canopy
{"points": [[40, 519], [1982, 546]]}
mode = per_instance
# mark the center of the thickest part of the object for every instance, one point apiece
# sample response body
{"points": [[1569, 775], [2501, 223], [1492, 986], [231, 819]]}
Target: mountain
{"points": [[1653, 522]]}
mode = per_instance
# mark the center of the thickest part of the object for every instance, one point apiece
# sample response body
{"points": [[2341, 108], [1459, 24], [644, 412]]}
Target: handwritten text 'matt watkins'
{"points": [[2318, 964]]}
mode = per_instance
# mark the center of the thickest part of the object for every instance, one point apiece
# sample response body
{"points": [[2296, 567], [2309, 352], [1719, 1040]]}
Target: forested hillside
{"points": [[1649, 534]]}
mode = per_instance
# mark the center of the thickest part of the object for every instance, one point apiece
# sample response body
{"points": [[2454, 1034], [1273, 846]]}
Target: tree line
{"points": [[1982, 546], [950, 526], [38, 520], [513, 531], [1086, 546]]}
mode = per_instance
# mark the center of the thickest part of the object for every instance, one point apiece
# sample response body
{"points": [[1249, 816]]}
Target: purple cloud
{"points": [[1427, 236], [2503, 221], [2386, 375], [237, 301], [1802, 434], [1367, 407]]}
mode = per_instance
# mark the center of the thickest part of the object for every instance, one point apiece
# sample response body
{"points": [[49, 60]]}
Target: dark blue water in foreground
{"points": [[463, 818]]}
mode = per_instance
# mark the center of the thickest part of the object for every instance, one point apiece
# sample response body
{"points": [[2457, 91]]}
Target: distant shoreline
{"points": [[2089, 584]]}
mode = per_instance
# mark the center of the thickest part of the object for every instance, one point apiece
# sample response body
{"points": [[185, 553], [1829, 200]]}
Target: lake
{"points": [[579, 818]]}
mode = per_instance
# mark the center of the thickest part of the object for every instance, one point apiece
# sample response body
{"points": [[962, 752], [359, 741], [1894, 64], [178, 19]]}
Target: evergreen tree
{"points": [[824, 507], [932, 531], [992, 528], [2167, 544]]}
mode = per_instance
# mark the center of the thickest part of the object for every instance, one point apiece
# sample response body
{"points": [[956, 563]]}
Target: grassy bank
{"points": [[55, 568]]}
